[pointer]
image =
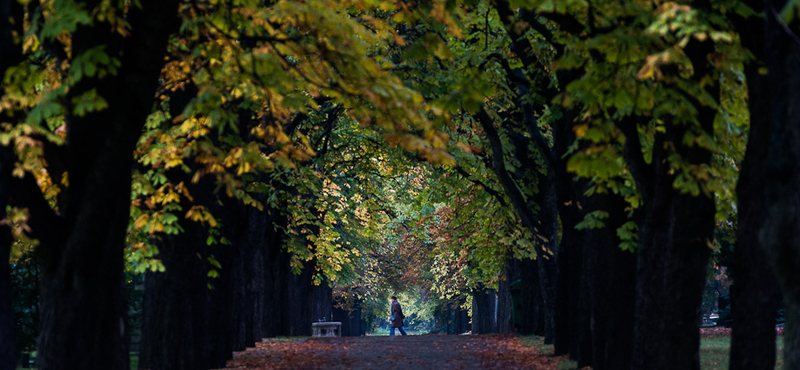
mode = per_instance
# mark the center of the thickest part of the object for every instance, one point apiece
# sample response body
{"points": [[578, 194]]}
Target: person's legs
{"points": [[402, 331], [391, 331]]}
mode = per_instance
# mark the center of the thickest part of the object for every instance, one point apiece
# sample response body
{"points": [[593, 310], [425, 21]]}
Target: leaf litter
{"points": [[434, 352]]}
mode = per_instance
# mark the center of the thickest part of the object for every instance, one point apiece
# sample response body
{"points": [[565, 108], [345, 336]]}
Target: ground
{"points": [[429, 352]]}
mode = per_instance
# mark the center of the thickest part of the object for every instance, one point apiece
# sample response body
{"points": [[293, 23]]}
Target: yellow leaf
{"points": [[141, 221]]}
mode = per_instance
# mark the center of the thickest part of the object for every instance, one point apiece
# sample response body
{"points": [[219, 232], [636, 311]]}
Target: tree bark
{"points": [[622, 302], [10, 53], [352, 323], [611, 280], [674, 250], [275, 275], [780, 235], [8, 353], [83, 307], [754, 293], [249, 262], [572, 329], [176, 313], [483, 301], [530, 297], [651, 267], [505, 306]]}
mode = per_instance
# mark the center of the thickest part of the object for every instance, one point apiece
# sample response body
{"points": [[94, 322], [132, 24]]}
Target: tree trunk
{"points": [[780, 235], [548, 265], [276, 276], [10, 54], [754, 293], [83, 305], [483, 304], [675, 248], [176, 313], [320, 302], [7, 338], [461, 322], [188, 320], [505, 306], [651, 267], [611, 275], [351, 320], [571, 311], [8, 350], [248, 292], [622, 302], [530, 297]]}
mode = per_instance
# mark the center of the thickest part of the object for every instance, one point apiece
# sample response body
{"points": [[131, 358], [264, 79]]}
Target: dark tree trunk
{"points": [[530, 297], [651, 267], [7, 337], [298, 313], [610, 275], [572, 329], [548, 254], [192, 321], [321, 303], [780, 235], [572, 304], [674, 250], [483, 311], [461, 322], [622, 303], [352, 323], [10, 54], [581, 325], [505, 306], [83, 312], [176, 313], [276, 276], [188, 316], [754, 293], [248, 291]]}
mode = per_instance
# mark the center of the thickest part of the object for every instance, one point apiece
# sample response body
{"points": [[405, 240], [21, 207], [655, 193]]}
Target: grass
{"points": [[714, 352], [134, 356]]}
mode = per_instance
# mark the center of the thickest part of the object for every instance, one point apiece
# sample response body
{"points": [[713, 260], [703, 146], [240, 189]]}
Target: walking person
{"points": [[397, 317]]}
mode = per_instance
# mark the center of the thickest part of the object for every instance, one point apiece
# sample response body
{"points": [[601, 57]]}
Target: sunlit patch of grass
{"points": [[715, 353]]}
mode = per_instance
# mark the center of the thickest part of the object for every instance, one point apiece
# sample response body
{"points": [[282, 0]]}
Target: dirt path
{"points": [[428, 352]]}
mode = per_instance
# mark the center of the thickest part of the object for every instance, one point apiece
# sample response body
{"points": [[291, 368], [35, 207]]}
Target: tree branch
{"points": [[499, 166], [480, 183]]}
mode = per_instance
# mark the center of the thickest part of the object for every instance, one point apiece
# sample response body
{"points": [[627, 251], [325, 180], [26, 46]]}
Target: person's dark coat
{"points": [[398, 315]]}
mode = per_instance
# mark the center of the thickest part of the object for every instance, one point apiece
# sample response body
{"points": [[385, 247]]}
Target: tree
{"points": [[106, 99], [755, 291], [773, 135], [10, 54]]}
